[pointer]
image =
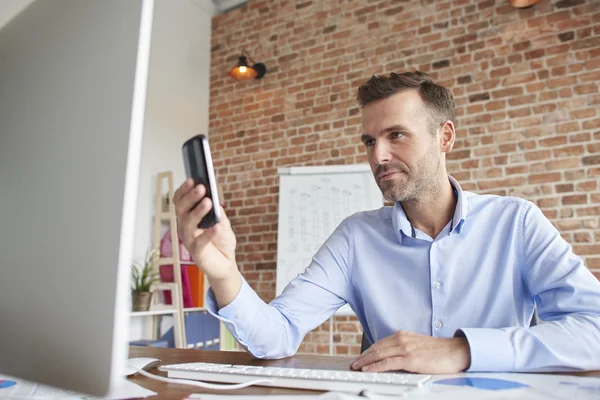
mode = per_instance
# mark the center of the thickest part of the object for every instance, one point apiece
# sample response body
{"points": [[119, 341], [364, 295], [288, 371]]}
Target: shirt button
{"points": [[438, 324], [239, 315], [437, 285]]}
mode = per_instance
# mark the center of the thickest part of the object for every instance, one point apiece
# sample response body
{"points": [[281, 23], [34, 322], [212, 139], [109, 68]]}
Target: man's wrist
{"points": [[463, 352], [226, 289]]}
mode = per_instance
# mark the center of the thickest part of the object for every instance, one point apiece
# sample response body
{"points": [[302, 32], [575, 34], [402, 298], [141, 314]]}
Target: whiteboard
{"points": [[312, 203]]}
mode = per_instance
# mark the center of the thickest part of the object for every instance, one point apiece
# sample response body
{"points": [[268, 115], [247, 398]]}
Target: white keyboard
{"points": [[311, 379]]}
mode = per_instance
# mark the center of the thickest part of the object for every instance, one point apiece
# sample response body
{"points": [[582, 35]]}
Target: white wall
{"points": [[177, 105], [177, 100]]}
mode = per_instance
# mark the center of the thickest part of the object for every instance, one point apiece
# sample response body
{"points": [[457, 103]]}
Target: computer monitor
{"points": [[72, 95]]}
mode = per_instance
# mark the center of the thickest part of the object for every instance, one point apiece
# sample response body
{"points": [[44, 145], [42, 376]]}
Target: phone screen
{"points": [[198, 166]]}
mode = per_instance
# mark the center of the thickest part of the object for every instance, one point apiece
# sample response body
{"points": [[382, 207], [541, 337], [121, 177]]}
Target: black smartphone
{"points": [[198, 166]]}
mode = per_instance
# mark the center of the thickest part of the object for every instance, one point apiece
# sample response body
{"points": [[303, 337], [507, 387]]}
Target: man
{"points": [[444, 281]]}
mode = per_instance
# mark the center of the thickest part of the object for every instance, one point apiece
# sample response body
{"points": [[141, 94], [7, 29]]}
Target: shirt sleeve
{"points": [[275, 330], [567, 298]]}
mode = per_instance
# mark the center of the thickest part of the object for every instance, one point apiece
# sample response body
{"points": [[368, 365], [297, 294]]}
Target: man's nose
{"points": [[381, 153]]}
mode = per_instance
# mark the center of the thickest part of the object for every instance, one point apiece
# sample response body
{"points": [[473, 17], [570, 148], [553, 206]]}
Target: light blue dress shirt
{"points": [[481, 277]]}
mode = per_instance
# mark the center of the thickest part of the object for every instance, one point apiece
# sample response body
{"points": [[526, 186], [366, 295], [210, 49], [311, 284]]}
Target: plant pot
{"points": [[141, 301]]}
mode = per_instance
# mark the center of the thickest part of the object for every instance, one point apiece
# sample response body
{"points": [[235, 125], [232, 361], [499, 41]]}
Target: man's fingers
{"points": [[188, 225], [413, 352], [185, 225], [375, 355], [387, 364], [196, 215], [400, 338], [185, 187], [187, 202]]}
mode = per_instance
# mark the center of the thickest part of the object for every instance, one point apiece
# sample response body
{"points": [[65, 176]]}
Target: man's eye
{"points": [[369, 142], [396, 135]]}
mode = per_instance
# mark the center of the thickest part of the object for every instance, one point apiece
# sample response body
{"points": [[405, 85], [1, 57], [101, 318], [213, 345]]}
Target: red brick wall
{"points": [[526, 90]]}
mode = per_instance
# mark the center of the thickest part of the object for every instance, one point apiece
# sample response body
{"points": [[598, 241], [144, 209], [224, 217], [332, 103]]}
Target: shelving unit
{"points": [[151, 312], [156, 308], [204, 330], [161, 216], [170, 261], [194, 309]]}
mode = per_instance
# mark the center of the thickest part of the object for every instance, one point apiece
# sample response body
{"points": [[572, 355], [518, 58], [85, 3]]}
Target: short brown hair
{"points": [[437, 98]]}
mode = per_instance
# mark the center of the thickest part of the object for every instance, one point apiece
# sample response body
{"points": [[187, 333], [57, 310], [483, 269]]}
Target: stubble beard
{"points": [[413, 185]]}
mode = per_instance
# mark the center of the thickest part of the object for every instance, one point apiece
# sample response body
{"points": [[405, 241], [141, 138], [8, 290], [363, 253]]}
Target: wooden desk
{"points": [[169, 391]]}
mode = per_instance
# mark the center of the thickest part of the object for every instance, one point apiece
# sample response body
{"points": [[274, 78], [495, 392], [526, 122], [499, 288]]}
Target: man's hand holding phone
{"points": [[202, 224], [213, 249]]}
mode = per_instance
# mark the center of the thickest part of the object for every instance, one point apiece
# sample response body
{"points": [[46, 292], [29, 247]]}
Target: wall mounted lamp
{"points": [[243, 71], [522, 3]]}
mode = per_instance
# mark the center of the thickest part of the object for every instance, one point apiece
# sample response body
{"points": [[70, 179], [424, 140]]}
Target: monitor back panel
{"points": [[72, 96]]}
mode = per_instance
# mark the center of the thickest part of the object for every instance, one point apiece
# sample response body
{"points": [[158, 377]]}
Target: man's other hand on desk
{"points": [[415, 353]]}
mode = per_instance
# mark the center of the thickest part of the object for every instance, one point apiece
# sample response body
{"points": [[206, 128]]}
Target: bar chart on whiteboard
{"points": [[312, 203]]}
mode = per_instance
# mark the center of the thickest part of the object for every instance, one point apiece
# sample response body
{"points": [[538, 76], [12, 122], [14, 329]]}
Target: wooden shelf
{"points": [[193, 309], [170, 260], [153, 312]]}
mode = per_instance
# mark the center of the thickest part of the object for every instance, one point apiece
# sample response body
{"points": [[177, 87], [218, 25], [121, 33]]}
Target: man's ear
{"points": [[447, 136]]}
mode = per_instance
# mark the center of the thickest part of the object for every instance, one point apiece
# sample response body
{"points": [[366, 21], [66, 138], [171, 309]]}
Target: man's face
{"points": [[404, 155]]}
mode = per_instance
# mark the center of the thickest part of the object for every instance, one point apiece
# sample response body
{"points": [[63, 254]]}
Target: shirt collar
{"points": [[462, 206], [402, 224], [400, 221]]}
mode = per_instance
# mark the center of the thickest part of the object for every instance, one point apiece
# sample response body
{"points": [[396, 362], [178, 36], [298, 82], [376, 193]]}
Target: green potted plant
{"points": [[142, 279]]}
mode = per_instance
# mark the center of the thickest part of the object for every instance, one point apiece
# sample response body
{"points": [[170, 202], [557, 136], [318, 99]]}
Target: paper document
{"points": [[511, 386], [466, 386], [19, 389], [324, 396]]}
